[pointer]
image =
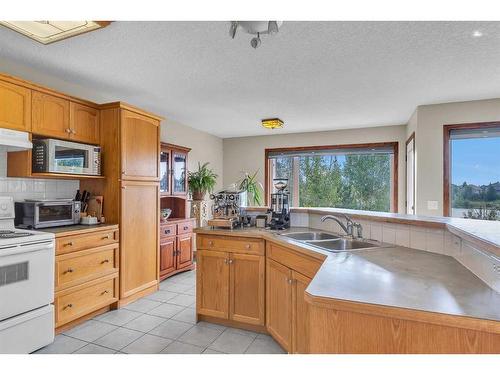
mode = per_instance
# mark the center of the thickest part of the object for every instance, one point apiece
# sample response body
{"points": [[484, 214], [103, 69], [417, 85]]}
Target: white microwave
{"points": [[53, 155]]}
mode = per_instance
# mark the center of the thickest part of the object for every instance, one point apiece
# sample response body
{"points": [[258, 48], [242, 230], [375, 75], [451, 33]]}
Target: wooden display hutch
{"points": [[176, 233]]}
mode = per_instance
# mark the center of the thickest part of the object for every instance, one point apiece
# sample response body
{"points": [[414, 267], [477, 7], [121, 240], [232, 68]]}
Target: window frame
{"points": [[395, 173], [447, 156]]}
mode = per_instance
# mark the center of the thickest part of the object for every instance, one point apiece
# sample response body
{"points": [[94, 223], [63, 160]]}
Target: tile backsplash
{"points": [[29, 188]]}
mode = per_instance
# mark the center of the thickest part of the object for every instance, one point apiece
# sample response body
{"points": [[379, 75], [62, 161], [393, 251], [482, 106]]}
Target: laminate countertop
{"points": [[77, 229], [391, 276]]}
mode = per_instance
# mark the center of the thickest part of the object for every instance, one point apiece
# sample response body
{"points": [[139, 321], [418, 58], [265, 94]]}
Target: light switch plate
{"points": [[432, 205]]}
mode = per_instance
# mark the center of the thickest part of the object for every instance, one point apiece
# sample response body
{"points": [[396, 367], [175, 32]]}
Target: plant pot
{"points": [[198, 195]]}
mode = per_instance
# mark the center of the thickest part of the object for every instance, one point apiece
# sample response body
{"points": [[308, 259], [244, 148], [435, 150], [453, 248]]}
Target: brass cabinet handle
{"points": [[186, 228], [230, 261], [68, 306], [69, 270], [247, 246], [290, 281], [211, 243], [226, 261], [106, 237], [73, 131], [70, 243], [105, 292], [68, 130], [105, 261], [167, 231]]}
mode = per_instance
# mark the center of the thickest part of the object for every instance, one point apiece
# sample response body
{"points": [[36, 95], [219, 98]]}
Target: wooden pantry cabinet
{"points": [[231, 279], [86, 273], [15, 107], [130, 146]]}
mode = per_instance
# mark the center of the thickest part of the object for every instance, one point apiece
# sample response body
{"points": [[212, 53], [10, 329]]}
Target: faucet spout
{"points": [[347, 229]]}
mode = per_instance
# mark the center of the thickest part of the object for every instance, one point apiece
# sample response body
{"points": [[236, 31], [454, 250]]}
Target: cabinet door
{"points": [[300, 318], [15, 107], [279, 303], [140, 146], [165, 159], [139, 229], [84, 123], [247, 288], [212, 283], [50, 115], [168, 247], [184, 250], [179, 171]]}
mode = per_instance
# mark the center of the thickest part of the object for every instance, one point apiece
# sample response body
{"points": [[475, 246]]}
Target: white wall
{"points": [[429, 144], [247, 153], [204, 147]]}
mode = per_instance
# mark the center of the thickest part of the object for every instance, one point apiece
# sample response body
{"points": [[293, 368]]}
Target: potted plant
{"points": [[252, 187], [201, 181]]}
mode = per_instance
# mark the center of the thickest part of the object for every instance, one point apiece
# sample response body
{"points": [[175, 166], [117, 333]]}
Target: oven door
{"points": [[53, 214], [70, 157], [26, 277]]}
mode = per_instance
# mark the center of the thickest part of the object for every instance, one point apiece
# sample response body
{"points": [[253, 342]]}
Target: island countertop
{"points": [[391, 276]]}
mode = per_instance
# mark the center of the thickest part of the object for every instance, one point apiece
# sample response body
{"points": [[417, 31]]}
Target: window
{"points": [[471, 170], [360, 177]]}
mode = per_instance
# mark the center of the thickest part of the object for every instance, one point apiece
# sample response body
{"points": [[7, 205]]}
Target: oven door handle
{"points": [[23, 249]]}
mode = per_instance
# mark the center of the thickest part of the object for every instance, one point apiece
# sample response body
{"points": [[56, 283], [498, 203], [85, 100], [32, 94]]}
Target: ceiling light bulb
{"points": [[477, 34], [233, 28], [272, 27], [255, 42]]}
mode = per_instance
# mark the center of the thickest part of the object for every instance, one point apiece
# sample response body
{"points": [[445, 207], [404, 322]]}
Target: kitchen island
{"points": [[392, 299]]}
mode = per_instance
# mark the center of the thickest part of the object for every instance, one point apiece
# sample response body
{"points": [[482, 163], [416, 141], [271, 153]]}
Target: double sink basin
{"points": [[331, 242]]}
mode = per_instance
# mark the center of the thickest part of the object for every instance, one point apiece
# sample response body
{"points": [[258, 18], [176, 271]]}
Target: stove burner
{"points": [[13, 234]]}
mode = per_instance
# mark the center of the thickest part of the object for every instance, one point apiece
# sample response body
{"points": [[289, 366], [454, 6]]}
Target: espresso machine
{"points": [[280, 205], [226, 208]]}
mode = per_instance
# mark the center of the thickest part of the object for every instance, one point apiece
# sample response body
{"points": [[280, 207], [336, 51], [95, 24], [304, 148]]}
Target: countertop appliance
{"points": [[46, 213], [26, 285], [56, 156], [280, 205], [226, 209]]}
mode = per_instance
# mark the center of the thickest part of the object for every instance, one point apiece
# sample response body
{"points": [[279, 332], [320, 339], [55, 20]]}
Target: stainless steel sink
{"points": [[310, 236], [344, 244]]}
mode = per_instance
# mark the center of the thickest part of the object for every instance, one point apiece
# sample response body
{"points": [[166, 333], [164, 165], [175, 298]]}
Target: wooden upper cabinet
{"points": [[140, 146], [50, 115], [247, 288], [279, 303], [15, 107], [139, 236], [212, 283], [84, 123]]}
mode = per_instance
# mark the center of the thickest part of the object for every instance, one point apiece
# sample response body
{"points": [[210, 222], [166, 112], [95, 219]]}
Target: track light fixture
{"points": [[255, 28]]}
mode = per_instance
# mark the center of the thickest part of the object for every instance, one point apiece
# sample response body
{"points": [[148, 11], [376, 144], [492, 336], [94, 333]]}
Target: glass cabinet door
{"points": [[179, 167], [164, 172]]}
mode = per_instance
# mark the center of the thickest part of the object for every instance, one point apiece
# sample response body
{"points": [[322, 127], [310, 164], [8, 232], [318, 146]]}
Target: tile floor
{"points": [[163, 322]]}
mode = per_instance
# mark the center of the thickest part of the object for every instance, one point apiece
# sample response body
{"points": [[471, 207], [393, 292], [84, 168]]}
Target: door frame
{"points": [[410, 139]]}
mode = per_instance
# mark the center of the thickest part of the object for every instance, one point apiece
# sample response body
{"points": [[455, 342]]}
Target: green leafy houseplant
{"points": [[253, 188], [201, 181]]}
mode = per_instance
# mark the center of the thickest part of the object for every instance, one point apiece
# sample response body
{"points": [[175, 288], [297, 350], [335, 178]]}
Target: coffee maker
{"points": [[280, 205], [226, 208]]}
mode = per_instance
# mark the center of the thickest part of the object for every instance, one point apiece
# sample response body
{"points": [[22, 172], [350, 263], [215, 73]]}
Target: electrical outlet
{"points": [[432, 205]]}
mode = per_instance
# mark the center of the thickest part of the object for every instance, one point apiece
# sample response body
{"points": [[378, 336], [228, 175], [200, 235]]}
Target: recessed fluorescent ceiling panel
{"points": [[52, 31]]}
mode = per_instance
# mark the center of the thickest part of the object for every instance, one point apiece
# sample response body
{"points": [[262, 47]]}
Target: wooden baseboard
{"points": [[232, 323], [84, 318], [129, 299]]}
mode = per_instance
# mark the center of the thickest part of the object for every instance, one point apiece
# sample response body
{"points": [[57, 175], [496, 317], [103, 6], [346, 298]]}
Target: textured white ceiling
{"points": [[313, 75]]}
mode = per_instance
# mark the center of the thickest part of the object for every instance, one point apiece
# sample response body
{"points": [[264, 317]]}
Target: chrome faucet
{"points": [[348, 227]]}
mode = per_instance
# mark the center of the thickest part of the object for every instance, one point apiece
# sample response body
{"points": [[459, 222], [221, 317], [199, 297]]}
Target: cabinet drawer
{"points": [[79, 267], [168, 230], [231, 244], [73, 304], [186, 227], [305, 265], [85, 241]]}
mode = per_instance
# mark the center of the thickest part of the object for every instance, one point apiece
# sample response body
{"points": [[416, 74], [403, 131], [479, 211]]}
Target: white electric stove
{"points": [[26, 285]]}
